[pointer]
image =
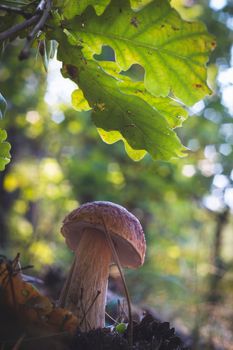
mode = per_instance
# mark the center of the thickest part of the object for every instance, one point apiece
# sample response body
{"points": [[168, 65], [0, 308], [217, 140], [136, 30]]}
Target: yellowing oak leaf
{"points": [[76, 7], [111, 137], [172, 51]]}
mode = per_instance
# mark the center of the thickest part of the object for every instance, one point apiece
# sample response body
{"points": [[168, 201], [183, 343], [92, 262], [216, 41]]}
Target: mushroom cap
{"points": [[125, 229]]}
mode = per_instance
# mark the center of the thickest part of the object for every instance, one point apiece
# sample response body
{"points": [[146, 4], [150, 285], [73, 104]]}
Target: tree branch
{"points": [[46, 6], [18, 27], [41, 6], [14, 9]]}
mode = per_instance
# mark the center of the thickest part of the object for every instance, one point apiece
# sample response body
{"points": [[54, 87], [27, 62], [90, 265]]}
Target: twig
{"points": [[117, 261], [111, 318], [41, 6], [65, 289], [89, 308], [14, 9], [46, 11], [121, 310], [16, 271], [18, 27], [83, 311], [18, 343], [19, 3]]}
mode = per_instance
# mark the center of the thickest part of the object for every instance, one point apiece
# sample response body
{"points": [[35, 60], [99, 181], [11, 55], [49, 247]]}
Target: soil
{"points": [[149, 334]]}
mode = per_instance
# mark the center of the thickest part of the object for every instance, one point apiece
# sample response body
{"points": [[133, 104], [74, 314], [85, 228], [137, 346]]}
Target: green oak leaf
{"points": [[73, 8], [172, 110], [172, 51], [140, 125], [3, 105], [174, 113], [4, 150], [80, 104]]}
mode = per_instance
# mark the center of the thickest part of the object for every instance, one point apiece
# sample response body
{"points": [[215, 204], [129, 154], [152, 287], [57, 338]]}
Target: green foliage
{"points": [[74, 7], [141, 125], [171, 52], [121, 328], [4, 150]]}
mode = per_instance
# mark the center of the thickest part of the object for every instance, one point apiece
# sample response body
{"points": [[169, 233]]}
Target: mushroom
{"points": [[84, 229]]}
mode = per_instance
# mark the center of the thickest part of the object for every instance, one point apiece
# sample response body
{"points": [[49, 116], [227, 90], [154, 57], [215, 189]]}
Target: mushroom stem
{"points": [[86, 287]]}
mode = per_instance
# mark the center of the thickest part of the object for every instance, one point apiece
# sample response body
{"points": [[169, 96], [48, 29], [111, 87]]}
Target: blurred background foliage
{"points": [[59, 162]]}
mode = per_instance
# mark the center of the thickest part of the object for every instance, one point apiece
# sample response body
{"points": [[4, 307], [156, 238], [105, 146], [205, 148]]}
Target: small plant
{"points": [[121, 328]]}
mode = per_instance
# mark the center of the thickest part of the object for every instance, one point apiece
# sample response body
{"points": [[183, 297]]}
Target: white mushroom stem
{"points": [[85, 290]]}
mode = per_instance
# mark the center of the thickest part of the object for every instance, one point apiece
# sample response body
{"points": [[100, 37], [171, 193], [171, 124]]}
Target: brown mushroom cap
{"points": [[125, 229]]}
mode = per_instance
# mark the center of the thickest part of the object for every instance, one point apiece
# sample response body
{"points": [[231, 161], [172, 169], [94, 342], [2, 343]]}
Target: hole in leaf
{"points": [[135, 72], [107, 54]]}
